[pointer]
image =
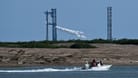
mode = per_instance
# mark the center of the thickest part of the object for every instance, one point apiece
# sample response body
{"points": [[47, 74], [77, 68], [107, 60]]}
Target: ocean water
{"points": [[68, 72]]}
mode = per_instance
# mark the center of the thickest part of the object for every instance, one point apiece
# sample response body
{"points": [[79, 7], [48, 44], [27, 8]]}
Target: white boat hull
{"points": [[103, 67], [100, 68]]}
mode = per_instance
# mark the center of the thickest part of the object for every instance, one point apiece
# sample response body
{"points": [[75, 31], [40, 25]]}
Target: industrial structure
{"points": [[109, 23], [52, 22]]}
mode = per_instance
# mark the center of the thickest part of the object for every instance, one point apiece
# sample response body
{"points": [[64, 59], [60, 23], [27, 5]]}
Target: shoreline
{"points": [[12, 66]]}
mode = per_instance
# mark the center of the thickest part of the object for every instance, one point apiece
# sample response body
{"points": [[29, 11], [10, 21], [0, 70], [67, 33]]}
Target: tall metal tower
{"points": [[109, 23], [52, 22]]}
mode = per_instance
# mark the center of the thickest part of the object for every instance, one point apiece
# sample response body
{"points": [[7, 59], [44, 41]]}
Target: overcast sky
{"points": [[24, 20]]}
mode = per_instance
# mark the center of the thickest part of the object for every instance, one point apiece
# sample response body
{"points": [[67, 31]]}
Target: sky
{"points": [[24, 20]]}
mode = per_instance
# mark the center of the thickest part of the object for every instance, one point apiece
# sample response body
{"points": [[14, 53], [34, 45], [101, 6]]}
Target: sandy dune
{"points": [[109, 53]]}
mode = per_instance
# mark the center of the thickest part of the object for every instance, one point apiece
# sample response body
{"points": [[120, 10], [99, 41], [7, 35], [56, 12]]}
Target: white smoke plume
{"points": [[75, 32]]}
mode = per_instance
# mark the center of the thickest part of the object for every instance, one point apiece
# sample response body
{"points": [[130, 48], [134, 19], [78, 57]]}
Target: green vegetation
{"points": [[31, 44], [82, 45], [72, 43]]}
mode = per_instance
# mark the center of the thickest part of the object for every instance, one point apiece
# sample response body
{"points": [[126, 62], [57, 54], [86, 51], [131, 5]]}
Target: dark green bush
{"points": [[54, 44], [127, 41], [82, 45]]}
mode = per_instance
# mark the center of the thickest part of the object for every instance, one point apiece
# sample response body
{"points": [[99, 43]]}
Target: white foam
{"points": [[41, 70], [49, 70]]}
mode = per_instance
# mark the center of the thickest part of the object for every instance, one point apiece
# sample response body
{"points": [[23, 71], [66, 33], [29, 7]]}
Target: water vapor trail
{"points": [[75, 32]]}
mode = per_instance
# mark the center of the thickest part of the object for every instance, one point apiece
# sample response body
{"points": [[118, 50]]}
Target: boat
{"points": [[99, 67]]}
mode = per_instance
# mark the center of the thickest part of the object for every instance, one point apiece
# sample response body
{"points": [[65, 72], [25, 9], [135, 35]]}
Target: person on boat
{"points": [[93, 63], [87, 65], [101, 63]]}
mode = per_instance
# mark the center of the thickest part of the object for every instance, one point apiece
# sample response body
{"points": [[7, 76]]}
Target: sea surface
{"points": [[68, 72]]}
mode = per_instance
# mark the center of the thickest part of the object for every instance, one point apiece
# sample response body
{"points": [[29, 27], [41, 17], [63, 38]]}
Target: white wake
{"points": [[50, 70], [43, 70]]}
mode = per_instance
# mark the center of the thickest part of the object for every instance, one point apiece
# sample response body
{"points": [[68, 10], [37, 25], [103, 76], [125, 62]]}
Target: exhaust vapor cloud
{"points": [[75, 32]]}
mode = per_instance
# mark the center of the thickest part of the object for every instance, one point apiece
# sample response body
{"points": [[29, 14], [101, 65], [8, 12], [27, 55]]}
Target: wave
{"points": [[44, 70], [51, 70]]}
